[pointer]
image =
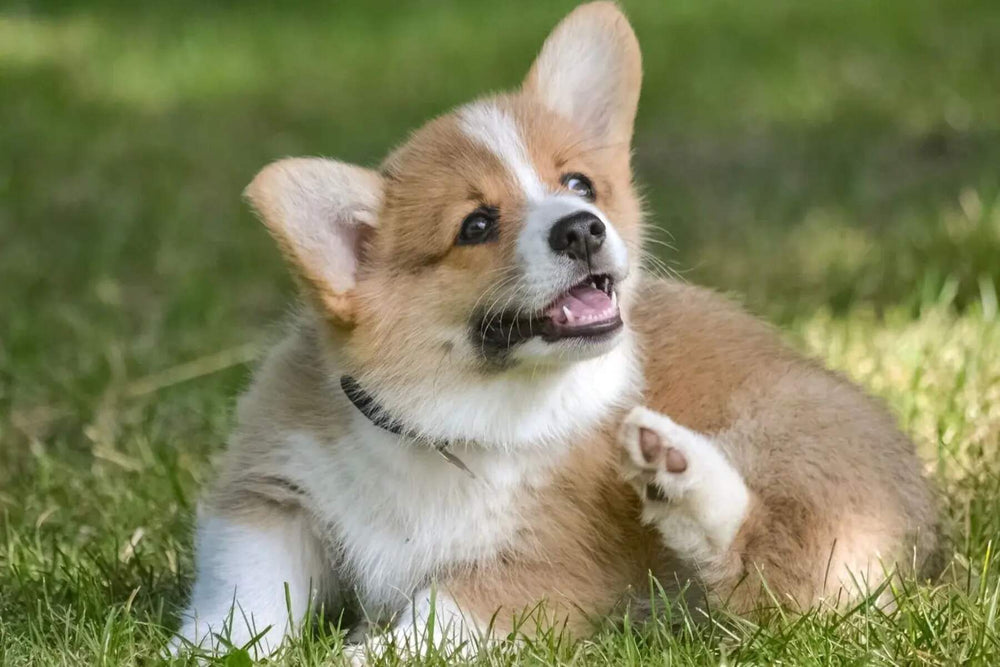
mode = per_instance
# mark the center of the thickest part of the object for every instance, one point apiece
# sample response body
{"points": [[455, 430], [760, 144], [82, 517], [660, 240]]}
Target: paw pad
{"points": [[676, 462], [650, 445], [653, 451]]}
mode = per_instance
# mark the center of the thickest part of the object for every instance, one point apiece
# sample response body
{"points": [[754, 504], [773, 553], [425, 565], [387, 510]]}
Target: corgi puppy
{"points": [[486, 408]]}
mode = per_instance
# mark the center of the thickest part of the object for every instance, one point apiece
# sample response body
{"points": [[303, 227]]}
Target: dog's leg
{"points": [[691, 493], [748, 552], [256, 572], [431, 622]]}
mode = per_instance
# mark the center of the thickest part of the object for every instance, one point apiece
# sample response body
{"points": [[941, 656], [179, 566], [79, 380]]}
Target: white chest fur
{"points": [[392, 514], [399, 512]]}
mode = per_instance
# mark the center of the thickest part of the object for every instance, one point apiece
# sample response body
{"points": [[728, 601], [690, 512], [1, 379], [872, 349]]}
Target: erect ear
{"points": [[590, 71], [320, 212]]}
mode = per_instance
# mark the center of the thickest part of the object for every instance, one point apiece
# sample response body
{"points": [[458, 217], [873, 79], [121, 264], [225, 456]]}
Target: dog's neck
{"points": [[379, 416], [507, 411]]}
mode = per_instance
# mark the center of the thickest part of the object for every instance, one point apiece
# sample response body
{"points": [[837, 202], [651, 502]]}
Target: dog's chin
{"points": [[581, 323], [539, 352]]}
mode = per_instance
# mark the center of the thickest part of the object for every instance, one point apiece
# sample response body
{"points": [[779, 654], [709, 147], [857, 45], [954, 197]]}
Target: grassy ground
{"points": [[835, 165]]}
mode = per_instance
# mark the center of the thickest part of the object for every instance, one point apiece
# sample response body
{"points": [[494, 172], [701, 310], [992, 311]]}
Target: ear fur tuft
{"points": [[590, 71], [320, 212]]}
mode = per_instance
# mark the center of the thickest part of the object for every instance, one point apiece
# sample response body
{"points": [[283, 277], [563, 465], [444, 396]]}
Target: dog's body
{"points": [[483, 291]]}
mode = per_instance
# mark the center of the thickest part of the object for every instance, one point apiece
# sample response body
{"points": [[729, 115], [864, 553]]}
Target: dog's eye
{"points": [[479, 226], [580, 185]]}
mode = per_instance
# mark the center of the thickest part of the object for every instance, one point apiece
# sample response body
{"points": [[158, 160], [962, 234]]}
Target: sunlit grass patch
{"points": [[832, 164]]}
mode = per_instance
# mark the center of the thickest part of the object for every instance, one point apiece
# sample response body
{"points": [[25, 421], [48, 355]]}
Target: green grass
{"points": [[834, 165]]}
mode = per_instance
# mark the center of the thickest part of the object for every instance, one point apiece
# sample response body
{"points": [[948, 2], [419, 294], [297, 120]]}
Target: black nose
{"points": [[578, 235]]}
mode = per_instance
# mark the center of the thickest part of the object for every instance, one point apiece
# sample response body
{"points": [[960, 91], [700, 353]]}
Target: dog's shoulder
{"points": [[291, 400]]}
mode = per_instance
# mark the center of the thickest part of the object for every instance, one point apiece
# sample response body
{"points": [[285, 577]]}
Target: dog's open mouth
{"points": [[587, 310]]}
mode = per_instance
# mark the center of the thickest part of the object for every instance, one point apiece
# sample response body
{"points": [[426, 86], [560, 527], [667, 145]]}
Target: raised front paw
{"points": [[690, 491], [659, 461]]}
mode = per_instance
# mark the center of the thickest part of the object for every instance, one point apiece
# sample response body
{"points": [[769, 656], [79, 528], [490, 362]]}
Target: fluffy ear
{"points": [[590, 70], [320, 212]]}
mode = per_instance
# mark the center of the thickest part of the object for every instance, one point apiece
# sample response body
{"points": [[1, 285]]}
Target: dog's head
{"points": [[501, 238]]}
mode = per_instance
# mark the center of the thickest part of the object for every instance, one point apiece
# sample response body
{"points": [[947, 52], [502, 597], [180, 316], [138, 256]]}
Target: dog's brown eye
{"points": [[580, 185], [479, 227]]}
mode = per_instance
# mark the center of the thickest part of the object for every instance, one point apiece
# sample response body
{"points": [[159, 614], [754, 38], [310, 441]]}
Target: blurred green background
{"points": [[816, 159]]}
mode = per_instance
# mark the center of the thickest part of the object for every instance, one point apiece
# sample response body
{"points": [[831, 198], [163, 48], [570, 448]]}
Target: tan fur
{"points": [[319, 212], [585, 552], [415, 275], [834, 484], [600, 28], [828, 491]]}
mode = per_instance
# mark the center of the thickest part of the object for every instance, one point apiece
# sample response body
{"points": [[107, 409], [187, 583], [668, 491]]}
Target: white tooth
{"points": [[568, 314], [614, 299]]}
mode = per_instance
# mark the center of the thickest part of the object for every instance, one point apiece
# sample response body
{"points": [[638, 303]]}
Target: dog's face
{"points": [[502, 235], [505, 236]]}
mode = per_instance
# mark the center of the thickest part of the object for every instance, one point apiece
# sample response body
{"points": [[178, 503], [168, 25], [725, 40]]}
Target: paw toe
{"points": [[650, 445], [676, 462]]}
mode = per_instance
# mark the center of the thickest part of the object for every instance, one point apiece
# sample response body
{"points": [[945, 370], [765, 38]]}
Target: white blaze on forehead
{"points": [[493, 128], [545, 272]]}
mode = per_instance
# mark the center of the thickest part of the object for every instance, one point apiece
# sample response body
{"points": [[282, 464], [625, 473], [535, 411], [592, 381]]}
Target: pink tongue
{"points": [[584, 303]]}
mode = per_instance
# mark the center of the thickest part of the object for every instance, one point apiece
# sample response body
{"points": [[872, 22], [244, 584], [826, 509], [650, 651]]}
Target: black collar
{"points": [[376, 414], [366, 405]]}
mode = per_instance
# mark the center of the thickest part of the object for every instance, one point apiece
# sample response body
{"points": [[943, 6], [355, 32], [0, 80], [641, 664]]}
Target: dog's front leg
{"points": [[431, 624], [506, 603], [258, 573], [691, 492]]}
